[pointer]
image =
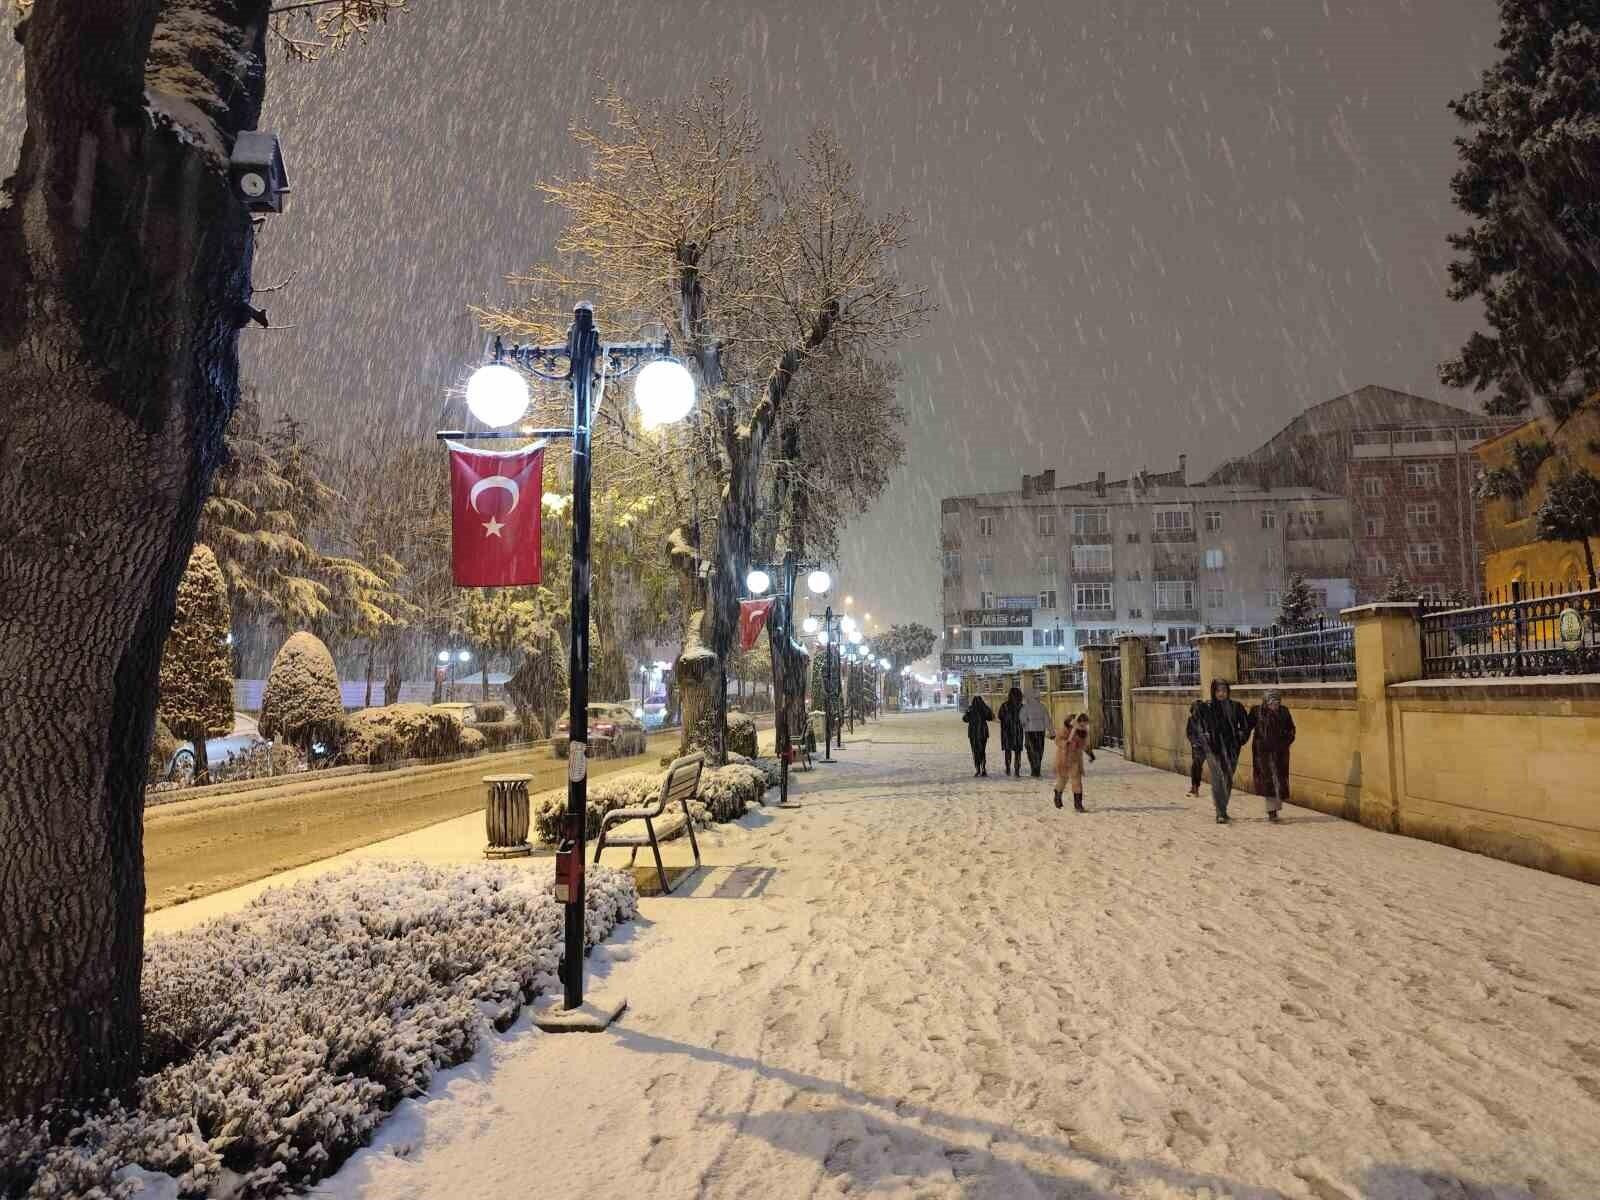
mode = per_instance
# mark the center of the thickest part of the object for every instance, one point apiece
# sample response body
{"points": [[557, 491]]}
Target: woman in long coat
{"points": [[977, 717], [1011, 730], [1273, 736]]}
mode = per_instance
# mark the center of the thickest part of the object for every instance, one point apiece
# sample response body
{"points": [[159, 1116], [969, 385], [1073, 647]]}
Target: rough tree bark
{"points": [[124, 271]]}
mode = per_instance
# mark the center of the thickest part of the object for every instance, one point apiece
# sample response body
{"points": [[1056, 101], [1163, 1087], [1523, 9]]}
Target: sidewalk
{"points": [[921, 984]]}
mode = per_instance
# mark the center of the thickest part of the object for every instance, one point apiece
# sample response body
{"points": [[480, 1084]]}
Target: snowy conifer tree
{"points": [[1299, 605], [1571, 513], [196, 667], [1532, 253], [301, 703], [1398, 590]]}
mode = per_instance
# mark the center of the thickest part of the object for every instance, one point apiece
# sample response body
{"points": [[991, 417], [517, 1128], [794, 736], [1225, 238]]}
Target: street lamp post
{"points": [[780, 633], [498, 396]]}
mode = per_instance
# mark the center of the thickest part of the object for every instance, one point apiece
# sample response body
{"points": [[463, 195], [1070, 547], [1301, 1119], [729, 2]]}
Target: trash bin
{"points": [[505, 816]]}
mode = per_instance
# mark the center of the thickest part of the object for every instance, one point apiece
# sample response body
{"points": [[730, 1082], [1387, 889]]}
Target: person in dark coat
{"points": [[1225, 726], [977, 717], [1197, 746], [1274, 734], [1011, 731]]}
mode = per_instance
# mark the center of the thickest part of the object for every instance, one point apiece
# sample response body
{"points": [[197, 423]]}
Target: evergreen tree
{"points": [[1398, 590], [196, 668], [301, 703], [1532, 253], [1299, 606], [905, 644], [1571, 513]]}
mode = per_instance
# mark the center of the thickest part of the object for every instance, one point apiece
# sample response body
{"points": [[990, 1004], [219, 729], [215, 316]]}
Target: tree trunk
{"points": [[391, 684], [372, 654], [202, 762], [1588, 558], [485, 688], [124, 266]]}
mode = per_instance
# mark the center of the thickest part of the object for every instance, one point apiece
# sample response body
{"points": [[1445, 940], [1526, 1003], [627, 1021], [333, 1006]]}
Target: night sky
{"points": [[1152, 226]]}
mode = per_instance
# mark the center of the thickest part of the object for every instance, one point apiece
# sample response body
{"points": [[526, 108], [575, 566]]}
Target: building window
{"points": [[1423, 515], [1047, 599], [985, 564], [1213, 559], [1213, 520], [1091, 521], [1136, 613], [1274, 600], [1376, 566], [1091, 560], [1213, 597], [985, 526], [960, 640], [952, 565], [1174, 520], [1431, 593], [1000, 637], [1319, 598], [1269, 518], [1049, 637], [1307, 519], [1046, 524], [1047, 566], [1180, 635], [1374, 527], [986, 600], [1372, 485], [1426, 554], [1422, 475], [1174, 594], [1092, 597]]}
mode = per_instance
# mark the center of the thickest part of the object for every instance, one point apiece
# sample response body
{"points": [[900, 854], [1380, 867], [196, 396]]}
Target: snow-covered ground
{"points": [[926, 985]]}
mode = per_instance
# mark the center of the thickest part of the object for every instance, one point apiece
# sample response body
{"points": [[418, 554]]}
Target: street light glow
{"points": [[465, 656], [444, 656], [758, 581], [810, 625], [847, 623], [822, 638], [849, 600], [819, 581], [664, 392], [855, 636], [497, 395], [884, 663]]}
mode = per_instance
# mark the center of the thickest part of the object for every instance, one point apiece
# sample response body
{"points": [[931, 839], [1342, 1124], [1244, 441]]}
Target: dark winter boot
{"points": [[1272, 815], [1058, 799], [1077, 802]]}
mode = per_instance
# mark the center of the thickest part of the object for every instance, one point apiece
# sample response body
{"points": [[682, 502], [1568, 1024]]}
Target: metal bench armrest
{"points": [[618, 815]]}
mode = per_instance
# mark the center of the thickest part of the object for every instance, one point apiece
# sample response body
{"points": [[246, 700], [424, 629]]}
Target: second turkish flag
{"points": [[495, 499]]}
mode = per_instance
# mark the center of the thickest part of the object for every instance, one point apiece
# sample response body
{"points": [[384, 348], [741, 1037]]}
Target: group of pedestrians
{"points": [[1218, 731]]}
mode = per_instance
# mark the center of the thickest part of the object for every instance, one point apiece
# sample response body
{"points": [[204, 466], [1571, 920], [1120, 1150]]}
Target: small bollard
{"points": [[505, 816]]}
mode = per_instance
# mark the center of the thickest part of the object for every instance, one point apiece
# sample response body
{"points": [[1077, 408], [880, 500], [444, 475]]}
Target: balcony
{"points": [[1190, 615], [1093, 614], [1097, 575], [1173, 535], [1103, 538]]}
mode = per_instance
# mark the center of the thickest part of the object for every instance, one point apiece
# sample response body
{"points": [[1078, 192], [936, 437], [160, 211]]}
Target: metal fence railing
{"points": [[1324, 653], [1530, 629], [1177, 667]]}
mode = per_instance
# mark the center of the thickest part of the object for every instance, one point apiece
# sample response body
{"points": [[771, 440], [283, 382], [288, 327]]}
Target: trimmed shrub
{"points": [[277, 1038], [301, 702], [490, 711], [726, 792], [532, 727], [499, 733], [471, 741], [741, 736], [400, 731], [622, 790]]}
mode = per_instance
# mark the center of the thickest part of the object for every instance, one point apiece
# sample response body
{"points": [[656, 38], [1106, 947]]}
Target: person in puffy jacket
{"points": [[1035, 728], [977, 717], [1011, 731], [1274, 734]]}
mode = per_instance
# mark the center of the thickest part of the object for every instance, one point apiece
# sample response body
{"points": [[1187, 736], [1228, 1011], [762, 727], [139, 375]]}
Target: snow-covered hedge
{"points": [[277, 1038], [725, 794], [740, 737], [621, 790], [399, 731]]}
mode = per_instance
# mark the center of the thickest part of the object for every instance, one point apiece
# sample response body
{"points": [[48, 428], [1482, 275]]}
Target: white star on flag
{"points": [[492, 528]]}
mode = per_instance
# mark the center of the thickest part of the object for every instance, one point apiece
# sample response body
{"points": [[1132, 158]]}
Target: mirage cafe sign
{"points": [[1004, 617]]}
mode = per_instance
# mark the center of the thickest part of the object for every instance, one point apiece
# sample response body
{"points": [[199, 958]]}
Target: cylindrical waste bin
{"points": [[505, 816]]}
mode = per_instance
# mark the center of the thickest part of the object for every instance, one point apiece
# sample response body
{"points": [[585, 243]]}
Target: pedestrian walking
{"points": [[1011, 731], [1226, 728], [1195, 732], [1274, 734], [977, 717], [1072, 747], [1035, 728]]}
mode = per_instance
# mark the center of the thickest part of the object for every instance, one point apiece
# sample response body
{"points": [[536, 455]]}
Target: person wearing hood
{"points": [[1225, 726], [977, 717], [1274, 734], [1011, 731], [1195, 732], [1035, 728]]}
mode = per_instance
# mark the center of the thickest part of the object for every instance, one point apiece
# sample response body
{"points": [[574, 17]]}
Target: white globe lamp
{"points": [[444, 656], [465, 656], [819, 581], [810, 625], [497, 395], [758, 581], [855, 636], [664, 391], [847, 623]]}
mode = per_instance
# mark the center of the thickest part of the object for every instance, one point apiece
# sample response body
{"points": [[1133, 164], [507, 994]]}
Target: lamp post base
{"points": [[595, 1013]]}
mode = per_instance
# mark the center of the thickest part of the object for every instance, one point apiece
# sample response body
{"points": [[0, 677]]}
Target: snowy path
{"points": [[925, 985]]}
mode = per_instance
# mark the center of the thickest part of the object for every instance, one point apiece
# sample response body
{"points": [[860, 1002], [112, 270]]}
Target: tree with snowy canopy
{"points": [[1570, 512], [125, 278], [1527, 180], [196, 669], [1299, 605], [1399, 590], [907, 643], [301, 702]]}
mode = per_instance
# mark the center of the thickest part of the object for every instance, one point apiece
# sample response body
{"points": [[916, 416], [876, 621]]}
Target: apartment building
{"points": [[1034, 575], [1407, 468]]}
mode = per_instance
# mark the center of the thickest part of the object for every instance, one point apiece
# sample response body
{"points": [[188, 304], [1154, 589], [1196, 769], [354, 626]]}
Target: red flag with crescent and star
{"points": [[752, 616], [495, 500]]}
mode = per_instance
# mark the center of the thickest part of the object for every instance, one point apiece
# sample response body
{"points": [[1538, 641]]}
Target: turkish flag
{"points": [[752, 616], [495, 498]]}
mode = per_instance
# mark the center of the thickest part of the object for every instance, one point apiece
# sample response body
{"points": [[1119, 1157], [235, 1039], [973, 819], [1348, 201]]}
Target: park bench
{"points": [[679, 786]]}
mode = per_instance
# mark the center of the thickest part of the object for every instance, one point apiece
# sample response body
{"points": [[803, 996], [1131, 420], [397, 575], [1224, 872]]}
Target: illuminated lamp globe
{"points": [[444, 656], [664, 392], [847, 623], [497, 395], [855, 637], [819, 582], [465, 656], [810, 625], [822, 639], [884, 663], [758, 582]]}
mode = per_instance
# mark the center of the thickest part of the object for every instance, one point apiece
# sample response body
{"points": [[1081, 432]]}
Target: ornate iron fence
{"points": [[1325, 653], [1525, 632], [1178, 667]]}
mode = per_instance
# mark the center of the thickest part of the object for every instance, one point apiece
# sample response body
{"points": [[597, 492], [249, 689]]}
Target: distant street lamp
{"points": [[780, 633], [497, 396]]}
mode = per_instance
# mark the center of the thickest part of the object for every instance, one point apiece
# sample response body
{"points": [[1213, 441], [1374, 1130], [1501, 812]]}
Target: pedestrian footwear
{"points": [[1192, 792], [1077, 807], [1058, 799], [1221, 820], [1273, 817]]}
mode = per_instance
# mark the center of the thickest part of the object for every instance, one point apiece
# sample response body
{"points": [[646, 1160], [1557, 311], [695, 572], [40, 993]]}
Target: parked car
{"points": [[652, 714], [614, 732], [243, 739]]}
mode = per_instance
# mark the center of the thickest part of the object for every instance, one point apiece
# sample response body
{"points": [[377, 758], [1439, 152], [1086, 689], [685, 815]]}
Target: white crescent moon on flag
{"points": [[494, 481]]}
